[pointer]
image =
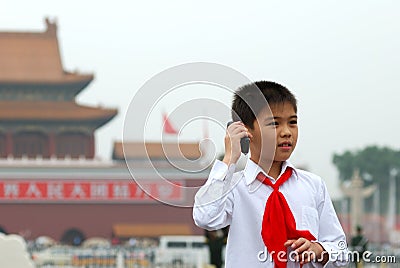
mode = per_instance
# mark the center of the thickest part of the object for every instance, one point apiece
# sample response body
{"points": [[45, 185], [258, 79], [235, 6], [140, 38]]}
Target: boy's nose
{"points": [[285, 132]]}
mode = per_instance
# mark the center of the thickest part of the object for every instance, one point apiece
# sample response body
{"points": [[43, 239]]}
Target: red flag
{"points": [[167, 126]]}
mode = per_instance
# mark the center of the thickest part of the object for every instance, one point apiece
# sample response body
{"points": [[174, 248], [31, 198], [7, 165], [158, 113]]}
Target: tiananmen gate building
{"points": [[50, 179]]}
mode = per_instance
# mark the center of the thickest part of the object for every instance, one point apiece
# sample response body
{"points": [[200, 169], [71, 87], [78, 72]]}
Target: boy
{"points": [[279, 216]]}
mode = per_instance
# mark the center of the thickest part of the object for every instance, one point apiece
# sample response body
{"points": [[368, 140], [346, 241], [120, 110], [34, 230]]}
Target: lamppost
{"points": [[357, 192], [391, 213]]}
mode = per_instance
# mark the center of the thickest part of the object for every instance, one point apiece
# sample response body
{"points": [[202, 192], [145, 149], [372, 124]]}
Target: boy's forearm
{"points": [[228, 160]]}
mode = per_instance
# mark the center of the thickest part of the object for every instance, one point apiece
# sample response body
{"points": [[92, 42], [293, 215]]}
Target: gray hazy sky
{"points": [[340, 58]]}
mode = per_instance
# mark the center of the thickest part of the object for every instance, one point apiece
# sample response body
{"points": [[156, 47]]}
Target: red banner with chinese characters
{"points": [[89, 190]]}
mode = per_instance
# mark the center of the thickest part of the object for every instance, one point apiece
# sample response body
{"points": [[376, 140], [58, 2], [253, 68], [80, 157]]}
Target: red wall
{"points": [[92, 219]]}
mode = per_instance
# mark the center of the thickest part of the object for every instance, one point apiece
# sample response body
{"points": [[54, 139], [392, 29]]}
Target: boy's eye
{"points": [[273, 123], [293, 122]]}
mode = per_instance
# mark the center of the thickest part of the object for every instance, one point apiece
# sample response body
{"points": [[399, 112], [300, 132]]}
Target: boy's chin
{"points": [[276, 159], [281, 158]]}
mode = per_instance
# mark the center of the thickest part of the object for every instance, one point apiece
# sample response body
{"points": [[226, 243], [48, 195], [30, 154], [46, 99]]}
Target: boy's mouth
{"points": [[285, 144]]}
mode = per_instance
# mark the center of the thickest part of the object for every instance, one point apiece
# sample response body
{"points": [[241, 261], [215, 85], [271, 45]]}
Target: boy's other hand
{"points": [[234, 133], [307, 251]]}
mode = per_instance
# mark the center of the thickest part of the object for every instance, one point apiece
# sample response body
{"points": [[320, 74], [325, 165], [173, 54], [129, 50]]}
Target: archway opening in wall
{"points": [[3, 230], [72, 144], [31, 144], [73, 237]]}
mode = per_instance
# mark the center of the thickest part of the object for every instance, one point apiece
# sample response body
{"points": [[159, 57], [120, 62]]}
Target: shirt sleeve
{"points": [[331, 235], [213, 203]]}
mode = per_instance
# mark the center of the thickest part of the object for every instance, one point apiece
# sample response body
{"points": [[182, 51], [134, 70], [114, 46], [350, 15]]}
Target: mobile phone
{"points": [[244, 142]]}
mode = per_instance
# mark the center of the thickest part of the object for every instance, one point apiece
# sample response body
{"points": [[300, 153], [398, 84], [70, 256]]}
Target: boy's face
{"points": [[274, 135]]}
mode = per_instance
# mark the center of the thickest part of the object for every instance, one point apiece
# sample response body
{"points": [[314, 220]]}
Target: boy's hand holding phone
{"points": [[233, 148]]}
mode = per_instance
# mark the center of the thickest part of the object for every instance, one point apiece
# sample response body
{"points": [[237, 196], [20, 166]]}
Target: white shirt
{"points": [[238, 199]]}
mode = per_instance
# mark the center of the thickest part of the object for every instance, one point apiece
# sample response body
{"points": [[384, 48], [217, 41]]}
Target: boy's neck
{"points": [[275, 169], [272, 170]]}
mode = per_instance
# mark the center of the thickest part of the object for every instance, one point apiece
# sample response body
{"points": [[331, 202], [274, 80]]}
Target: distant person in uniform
{"points": [[215, 241], [359, 243]]}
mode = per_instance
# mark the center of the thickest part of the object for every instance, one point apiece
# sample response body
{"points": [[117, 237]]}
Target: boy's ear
{"points": [[251, 129], [252, 125]]}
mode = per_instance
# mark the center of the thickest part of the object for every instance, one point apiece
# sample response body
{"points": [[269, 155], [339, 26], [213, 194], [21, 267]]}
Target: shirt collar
{"points": [[252, 169]]}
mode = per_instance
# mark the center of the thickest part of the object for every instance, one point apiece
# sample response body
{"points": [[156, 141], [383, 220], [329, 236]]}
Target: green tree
{"points": [[375, 164]]}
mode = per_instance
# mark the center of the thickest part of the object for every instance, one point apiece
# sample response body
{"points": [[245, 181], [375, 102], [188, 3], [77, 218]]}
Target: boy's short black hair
{"points": [[250, 99]]}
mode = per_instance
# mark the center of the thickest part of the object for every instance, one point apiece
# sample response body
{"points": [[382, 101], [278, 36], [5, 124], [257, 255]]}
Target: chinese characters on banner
{"points": [[89, 190]]}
